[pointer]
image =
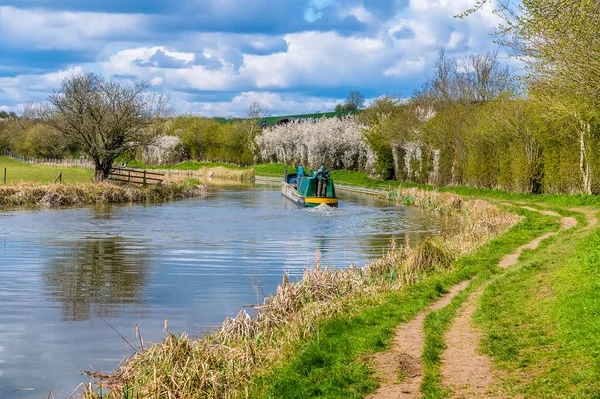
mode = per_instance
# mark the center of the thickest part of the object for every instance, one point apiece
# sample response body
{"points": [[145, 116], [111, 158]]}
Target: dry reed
{"points": [[220, 172], [36, 194], [223, 363]]}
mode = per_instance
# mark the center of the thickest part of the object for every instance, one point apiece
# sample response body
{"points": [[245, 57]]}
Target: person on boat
{"points": [[299, 171], [323, 175]]}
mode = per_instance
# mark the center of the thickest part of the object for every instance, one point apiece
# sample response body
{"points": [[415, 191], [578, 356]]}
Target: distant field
{"points": [[265, 169], [18, 171], [272, 120]]}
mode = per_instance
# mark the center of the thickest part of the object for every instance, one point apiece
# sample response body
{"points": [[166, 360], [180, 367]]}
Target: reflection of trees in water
{"points": [[97, 275]]}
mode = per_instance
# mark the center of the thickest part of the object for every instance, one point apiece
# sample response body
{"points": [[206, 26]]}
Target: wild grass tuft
{"points": [[35, 194], [221, 172]]}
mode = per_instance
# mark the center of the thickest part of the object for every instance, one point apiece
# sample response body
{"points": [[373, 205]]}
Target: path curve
{"points": [[466, 372], [405, 354]]}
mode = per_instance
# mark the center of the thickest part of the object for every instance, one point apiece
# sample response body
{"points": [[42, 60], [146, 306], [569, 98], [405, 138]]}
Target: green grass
{"points": [[541, 322], [558, 200], [332, 364], [438, 322], [272, 120], [21, 172]]}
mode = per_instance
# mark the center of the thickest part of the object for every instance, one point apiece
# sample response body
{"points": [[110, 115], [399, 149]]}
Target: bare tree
{"points": [[103, 117], [354, 101], [252, 123], [478, 78], [483, 77]]}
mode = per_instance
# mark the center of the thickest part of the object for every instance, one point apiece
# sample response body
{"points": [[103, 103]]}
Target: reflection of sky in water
{"points": [[192, 261]]}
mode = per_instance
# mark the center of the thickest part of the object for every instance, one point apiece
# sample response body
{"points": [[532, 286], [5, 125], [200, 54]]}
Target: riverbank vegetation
{"points": [[224, 363], [36, 194]]}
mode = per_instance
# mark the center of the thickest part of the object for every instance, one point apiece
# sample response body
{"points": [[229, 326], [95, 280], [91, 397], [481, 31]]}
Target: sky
{"points": [[215, 57]]}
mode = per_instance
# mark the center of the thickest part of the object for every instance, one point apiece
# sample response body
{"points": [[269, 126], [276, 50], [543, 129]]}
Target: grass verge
{"points": [[541, 322]]}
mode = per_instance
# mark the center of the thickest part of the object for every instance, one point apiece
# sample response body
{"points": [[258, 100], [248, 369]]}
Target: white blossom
{"points": [[338, 142]]}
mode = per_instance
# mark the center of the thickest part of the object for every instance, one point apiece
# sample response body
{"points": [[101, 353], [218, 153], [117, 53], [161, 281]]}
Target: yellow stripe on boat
{"points": [[320, 200]]}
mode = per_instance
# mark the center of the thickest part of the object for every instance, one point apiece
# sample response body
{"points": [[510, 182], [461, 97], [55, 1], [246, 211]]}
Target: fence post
{"points": [[129, 176], [144, 177], [4, 175]]}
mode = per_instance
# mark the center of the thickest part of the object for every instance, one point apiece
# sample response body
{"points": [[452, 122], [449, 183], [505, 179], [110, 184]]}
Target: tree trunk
{"points": [[102, 170], [584, 164]]}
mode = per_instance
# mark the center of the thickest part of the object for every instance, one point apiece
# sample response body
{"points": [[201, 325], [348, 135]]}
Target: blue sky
{"points": [[215, 57]]}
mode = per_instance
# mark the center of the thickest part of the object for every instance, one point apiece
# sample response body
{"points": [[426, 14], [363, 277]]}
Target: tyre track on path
{"points": [[466, 372], [404, 357]]}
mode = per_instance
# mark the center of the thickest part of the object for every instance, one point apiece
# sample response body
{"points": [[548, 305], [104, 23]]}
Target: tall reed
{"points": [[220, 172], [37, 194]]}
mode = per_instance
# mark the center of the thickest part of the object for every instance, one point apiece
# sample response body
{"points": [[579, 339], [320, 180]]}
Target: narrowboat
{"points": [[303, 190]]}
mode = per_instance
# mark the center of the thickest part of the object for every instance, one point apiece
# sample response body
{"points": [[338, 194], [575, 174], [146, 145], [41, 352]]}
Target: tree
{"points": [[558, 41], [250, 128], [354, 101], [103, 117], [478, 78], [338, 108]]}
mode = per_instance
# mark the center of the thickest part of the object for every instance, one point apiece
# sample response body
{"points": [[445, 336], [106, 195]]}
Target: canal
{"points": [[69, 276]]}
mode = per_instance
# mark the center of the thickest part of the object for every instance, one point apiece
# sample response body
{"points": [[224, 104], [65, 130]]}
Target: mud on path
{"points": [[467, 373], [404, 357]]}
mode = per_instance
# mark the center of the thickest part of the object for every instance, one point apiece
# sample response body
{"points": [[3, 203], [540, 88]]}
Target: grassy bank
{"points": [[225, 363], [17, 172], [35, 194], [222, 173], [541, 321]]}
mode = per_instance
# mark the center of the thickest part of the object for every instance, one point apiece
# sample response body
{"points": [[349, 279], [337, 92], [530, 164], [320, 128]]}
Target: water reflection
{"points": [[96, 275]]}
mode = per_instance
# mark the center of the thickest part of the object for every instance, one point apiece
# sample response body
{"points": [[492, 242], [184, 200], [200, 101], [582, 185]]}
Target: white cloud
{"points": [[35, 88], [394, 54], [62, 30], [275, 103], [406, 67], [317, 58]]}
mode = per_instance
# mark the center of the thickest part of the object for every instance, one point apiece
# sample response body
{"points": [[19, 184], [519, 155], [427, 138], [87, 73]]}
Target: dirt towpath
{"points": [[466, 372], [404, 357]]}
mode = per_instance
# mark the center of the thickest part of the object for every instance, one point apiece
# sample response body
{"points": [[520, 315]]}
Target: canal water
{"points": [[69, 276]]}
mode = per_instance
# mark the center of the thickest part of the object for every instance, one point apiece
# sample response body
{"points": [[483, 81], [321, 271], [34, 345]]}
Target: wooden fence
{"points": [[135, 176]]}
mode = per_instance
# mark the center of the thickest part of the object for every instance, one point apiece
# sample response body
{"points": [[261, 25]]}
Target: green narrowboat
{"points": [[303, 191]]}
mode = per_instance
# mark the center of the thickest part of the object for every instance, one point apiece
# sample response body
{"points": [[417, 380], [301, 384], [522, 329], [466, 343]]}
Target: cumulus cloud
{"points": [[59, 30], [275, 103], [323, 47], [31, 88]]}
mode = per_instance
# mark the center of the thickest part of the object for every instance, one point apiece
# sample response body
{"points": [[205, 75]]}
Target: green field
{"points": [[21, 172], [272, 120]]}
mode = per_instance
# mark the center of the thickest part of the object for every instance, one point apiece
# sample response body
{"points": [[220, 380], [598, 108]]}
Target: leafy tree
{"points": [[338, 108], [103, 117]]}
